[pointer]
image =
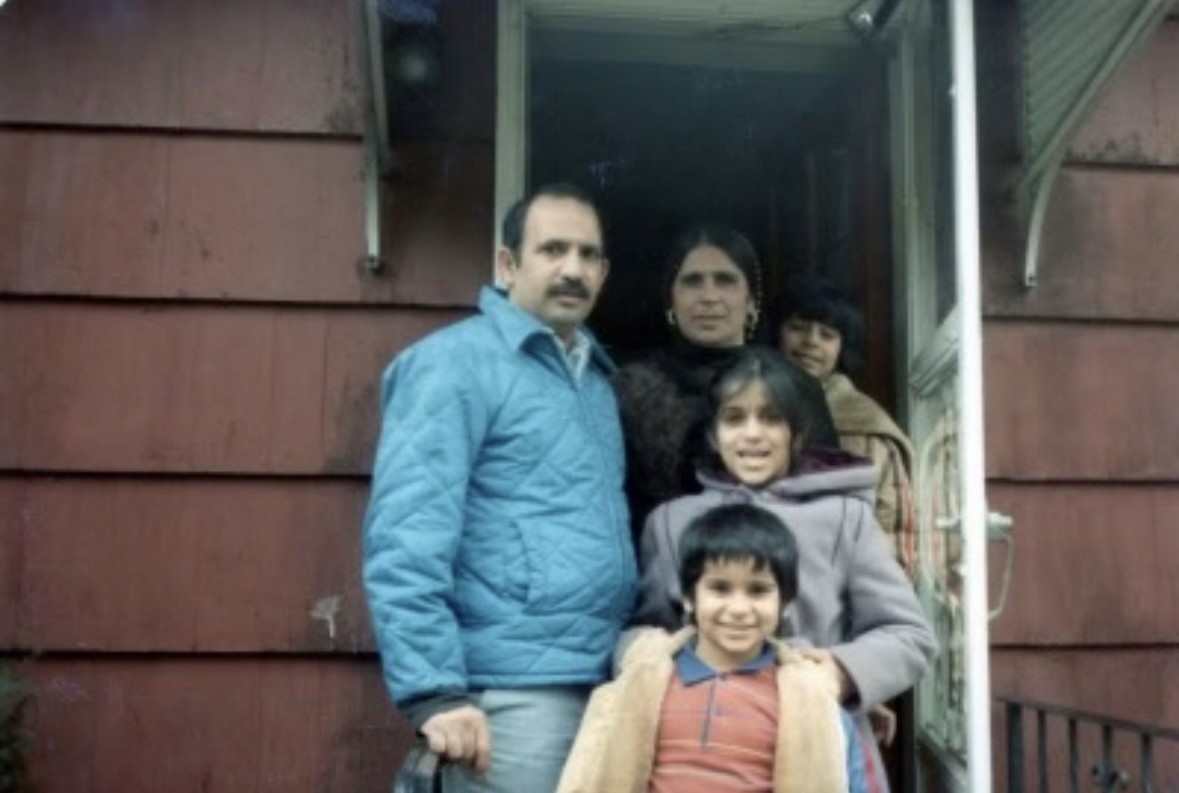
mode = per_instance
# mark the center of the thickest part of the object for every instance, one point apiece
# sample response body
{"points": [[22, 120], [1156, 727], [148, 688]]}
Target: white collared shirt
{"points": [[576, 355]]}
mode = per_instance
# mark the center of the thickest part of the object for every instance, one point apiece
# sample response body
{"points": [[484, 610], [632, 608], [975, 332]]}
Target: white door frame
{"points": [[972, 450], [939, 355]]}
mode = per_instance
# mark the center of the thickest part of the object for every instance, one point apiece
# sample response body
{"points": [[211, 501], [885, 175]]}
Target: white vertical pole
{"points": [[970, 397], [511, 113]]}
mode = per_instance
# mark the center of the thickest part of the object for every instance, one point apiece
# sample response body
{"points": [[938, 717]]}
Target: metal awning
{"points": [[1068, 51]]}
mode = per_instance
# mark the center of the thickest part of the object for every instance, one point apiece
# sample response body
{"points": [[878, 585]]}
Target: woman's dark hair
{"points": [[736, 532], [734, 244], [795, 394], [818, 300]]}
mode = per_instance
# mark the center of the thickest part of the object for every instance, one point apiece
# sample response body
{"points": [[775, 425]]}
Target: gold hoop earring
{"points": [[751, 324]]}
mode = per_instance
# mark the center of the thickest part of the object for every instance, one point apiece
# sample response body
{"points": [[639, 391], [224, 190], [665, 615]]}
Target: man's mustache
{"points": [[569, 289]]}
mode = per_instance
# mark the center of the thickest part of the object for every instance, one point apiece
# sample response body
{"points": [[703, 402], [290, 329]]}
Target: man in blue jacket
{"points": [[497, 557]]}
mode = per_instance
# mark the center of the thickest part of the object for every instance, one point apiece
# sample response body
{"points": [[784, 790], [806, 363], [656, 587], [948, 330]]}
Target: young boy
{"points": [[720, 706]]}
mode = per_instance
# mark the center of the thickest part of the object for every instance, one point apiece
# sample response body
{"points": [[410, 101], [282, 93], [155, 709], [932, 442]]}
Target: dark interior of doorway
{"points": [[783, 157]]}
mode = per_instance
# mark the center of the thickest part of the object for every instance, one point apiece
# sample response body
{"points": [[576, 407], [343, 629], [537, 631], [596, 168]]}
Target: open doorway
{"points": [[792, 152], [793, 157]]}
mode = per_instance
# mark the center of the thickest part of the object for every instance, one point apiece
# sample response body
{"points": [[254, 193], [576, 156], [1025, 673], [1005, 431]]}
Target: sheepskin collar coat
{"points": [[615, 747]]}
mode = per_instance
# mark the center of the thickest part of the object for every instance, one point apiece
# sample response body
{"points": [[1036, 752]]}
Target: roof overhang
{"points": [[1068, 51]]}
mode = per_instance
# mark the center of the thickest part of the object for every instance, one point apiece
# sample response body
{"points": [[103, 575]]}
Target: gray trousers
{"points": [[532, 731]]}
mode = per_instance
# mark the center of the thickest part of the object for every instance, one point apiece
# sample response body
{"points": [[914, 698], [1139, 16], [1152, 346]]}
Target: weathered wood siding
{"points": [[1082, 430], [189, 360]]}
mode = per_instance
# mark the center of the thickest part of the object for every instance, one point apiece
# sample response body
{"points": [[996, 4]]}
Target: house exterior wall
{"points": [[189, 359], [1082, 432]]}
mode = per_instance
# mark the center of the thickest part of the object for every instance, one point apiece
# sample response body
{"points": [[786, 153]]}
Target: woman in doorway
{"points": [[821, 330], [712, 292]]}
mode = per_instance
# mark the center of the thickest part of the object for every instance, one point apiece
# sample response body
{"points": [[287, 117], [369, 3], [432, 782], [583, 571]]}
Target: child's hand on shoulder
{"points": [[841, 683]]}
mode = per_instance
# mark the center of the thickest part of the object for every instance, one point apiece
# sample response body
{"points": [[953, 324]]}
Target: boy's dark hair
{"points": [[736, 532], [512, 228], [818, 300]]}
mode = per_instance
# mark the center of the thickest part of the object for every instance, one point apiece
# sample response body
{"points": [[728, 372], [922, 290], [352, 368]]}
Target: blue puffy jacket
{"points": [[497, 551]]}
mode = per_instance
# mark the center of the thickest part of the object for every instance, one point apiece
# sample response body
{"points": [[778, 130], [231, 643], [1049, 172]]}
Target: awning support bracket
{"points": [[1040, 177]]}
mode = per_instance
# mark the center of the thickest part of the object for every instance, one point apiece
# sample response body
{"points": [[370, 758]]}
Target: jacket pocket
{"points": [[491, 577], [515, 566]]}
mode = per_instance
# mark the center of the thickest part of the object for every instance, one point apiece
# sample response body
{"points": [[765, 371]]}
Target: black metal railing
{"points": [[1121, 755]]}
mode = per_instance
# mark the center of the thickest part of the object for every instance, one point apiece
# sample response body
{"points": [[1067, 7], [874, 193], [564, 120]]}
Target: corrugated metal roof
{"points": [[1069, 48]]}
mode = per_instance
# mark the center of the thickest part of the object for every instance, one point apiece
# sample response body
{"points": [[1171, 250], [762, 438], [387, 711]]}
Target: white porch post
{"points": [[970, 396]]}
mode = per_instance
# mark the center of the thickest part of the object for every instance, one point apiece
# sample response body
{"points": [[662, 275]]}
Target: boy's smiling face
{"points": [[737, 607]]}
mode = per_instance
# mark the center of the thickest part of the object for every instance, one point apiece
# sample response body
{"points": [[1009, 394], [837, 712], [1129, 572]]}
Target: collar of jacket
{"points": [[693, 670], [824, 472], [517, 326], [854, 412]]}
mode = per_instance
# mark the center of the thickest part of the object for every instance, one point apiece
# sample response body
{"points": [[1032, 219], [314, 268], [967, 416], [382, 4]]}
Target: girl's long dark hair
{"points": [[796, 395]]}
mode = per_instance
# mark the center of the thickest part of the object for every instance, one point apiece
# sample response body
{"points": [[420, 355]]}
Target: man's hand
{"points": [[830, 664], [461, 736], [884, 724]]}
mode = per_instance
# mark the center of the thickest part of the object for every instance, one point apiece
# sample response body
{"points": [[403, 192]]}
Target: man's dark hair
{"points": [[512, 229], [818, 300], [736, 533]]}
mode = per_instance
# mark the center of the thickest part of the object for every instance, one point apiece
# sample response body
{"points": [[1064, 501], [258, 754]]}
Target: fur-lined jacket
{"points": [[853, 598], [615, 748]]}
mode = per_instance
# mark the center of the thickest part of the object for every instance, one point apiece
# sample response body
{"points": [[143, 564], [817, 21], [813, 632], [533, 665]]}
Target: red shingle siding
{"points": [[264, 65], [1110, 238], [183, 565], [263, 725], [1136, 120], [1082, 431], [195, 388], [1093, 401], [1093, 565], [189, 363]]}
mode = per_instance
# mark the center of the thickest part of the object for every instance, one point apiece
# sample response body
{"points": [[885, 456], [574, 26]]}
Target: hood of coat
{"points": [[821, 472]]}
